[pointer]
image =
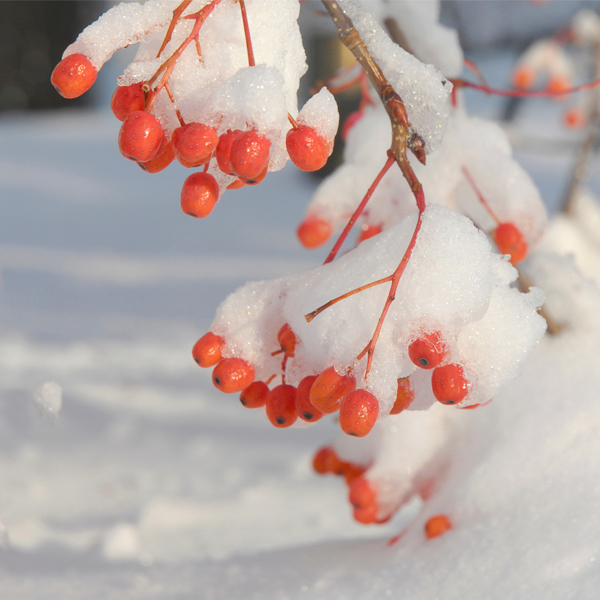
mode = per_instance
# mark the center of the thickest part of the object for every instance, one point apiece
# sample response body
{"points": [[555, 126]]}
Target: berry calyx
{"points": [[287, 340], [306, 148], [140, 136], [164, 157], [255, 395], [358, 413], [73, 76], [281, 405], [524, 77], [328, 390], [428, 350], [250, 154], [207, 350], [404, 396], [437, 525], [233, 375], [199, 195], [314, 232], [306, 411], [127, 99], [449, 384], [510, 241], [223, 152], [367, 232], [194, 143]]}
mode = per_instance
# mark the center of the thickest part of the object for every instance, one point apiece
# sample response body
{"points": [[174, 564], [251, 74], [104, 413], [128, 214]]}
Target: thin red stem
{"points": [[176, 16], [389, 162], [247, 33], [475, 70], [525, 93], [481, 197]]}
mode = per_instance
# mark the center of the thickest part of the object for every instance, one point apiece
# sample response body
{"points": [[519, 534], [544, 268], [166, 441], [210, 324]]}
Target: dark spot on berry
{"points": [[243, 401], [308, 416], [217, 381], [354, 434], [280, 420], [197, 360], [423, 362]]}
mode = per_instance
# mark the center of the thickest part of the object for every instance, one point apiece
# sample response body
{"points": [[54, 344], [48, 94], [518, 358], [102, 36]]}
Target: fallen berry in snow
{"points": [[314, 232], [437, 525], [287, 340], [255, 395], [199, 195], [358, 413], [207, 350], [510, 241], [404, 396], [281, 405], [449, 384], [140, 136], [306, 411], [73, 76], [428, 350], [306, 148], [250, 154], [194, 143], [233, 375], [164, 157], [328, 390], [127, 99], [524, 77]]}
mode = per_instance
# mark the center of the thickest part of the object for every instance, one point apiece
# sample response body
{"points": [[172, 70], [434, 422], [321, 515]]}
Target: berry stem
{"points": [[458, 83], [176, 16], [390, 161], [249, 49], [476, 71], [481, 197]]}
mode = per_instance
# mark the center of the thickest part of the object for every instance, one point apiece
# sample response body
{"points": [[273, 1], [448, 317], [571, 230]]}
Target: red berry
{"points": [[306, 411], [366, 515], [314, 232], [510, 241], [437, 525], [199, 195], [194, 143], [428, 350], [524, 77], [223, 152], [404, 396], [351, 120], [358, 413], [140, 136], [250, 154], [287, 340], [236, 185], [73, 75], [164, 157], [255, 395], [256, 180], [207, 350], [362, 493], [449, 384], [352, 471], [327, 461], [574, 118], [127, 99], [306, 148], [233, 375], [557, 84], [281, 405], [367, 232], [328, 390]]}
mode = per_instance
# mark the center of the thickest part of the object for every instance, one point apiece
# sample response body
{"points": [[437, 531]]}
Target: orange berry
{"points": [[362, 493], [437, 525], [223, 153], [194, 143], [574, 118], [351, 120], [352, 471], [326, 461], [428, 350], [250, 154], [236, 185], [233, 375], [127, 99], [358, 413], [306, 148], [207, 350], [199, 195], [328, 390], [366, 515], [256, 180], [558, 84], [524, 77], [367, 232], [255, 395], [306, 411], [510, 241], [404, 396], [73, 76], [314, 232], [140, 136], [449, 384], [281, 405], [164, 157], [287, 340]]}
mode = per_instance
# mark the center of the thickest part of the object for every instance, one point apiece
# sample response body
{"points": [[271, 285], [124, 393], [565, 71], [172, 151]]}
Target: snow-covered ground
{"points": [[151, 484]]}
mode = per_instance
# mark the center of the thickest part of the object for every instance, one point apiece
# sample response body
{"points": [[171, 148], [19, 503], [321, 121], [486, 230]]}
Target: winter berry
{"points": [[207, 350], [367, 515], [367, 232], [437, 525], [194, 143], [236, 184], [73, 75], [127, 99], [524, 77], [199, 195], [358, 413], [306, 411], [287, 340], [574, 118], [352, 471], [223, 152], [428, 350], [233, 375], [449, 384], [328, 390], [404, 396], [306, 148], [327, 461], [351, 120], [164, 157], [250, 154], [281, 405], [558, 84], [256, 180], [314, 232], [510, 241], [255, 395], [140, 136], [362, 493]]}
